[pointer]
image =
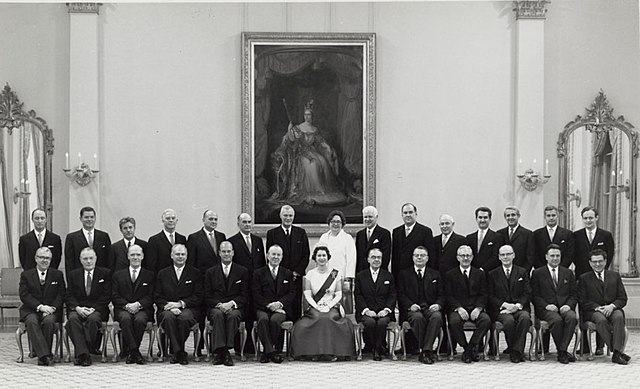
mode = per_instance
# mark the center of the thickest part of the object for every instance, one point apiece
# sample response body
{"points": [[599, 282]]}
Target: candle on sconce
{"points": [[79, 160], [26, 186], [66, 161], [546, 168], [22, 185], [95, 162], [613, 178], [620, 179]]}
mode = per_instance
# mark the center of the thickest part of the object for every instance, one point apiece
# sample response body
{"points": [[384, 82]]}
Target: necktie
{"points": [[90, 240], [133, 276], [247, 239], [171, 239], [554, 275], [273, 273], [178, 273], [225, 269], [407, 230], [212, 241], [466, 274], [128, 244], [374, 276], [286, 232], [590, 237], [600, 276], [508, 273], [480, 238], [445, 238], [420, 273], [551, 234], [368, 234], [40, 238], [87, 286], [510, 233], [42, 278]]}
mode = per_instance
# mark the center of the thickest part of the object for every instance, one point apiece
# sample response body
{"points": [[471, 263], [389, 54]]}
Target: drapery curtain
{"points": [[6, 249]]}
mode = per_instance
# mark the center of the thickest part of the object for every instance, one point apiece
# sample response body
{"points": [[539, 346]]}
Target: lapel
{"points": [[485, 241], [36, 280], [204, 237], [274, 282], [83, 239], [374, 235], [603, 287]]}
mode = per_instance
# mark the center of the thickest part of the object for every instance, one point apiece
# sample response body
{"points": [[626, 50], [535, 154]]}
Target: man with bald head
{"points": [[295, 252], [370, 237], [158, 253], [40, 236], [446, 246], [133, 303], [248, 249]]}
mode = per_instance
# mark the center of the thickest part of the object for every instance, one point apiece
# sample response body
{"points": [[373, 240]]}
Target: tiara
{"points": [[309, 105]]}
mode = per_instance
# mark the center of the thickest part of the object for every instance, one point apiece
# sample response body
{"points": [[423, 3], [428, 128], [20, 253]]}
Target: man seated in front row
{"points": [[553, 288], [602, 297], [178, 297], [133, 303], [375, 295], [226, 294], [42, 294], [273, 292], [467, 297], [510, 294], [421, 299], [87, 299]]}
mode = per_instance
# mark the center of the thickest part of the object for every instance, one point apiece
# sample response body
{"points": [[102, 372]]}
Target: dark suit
{"points": [[41, 328], [562, 237], [119, 254], [602, 240], [76, 241], [84, 331], [220, 289], [157, 256], [446, 257], [468, 293], [544, 292], [266, 290], [188, 289], [424, 292], [380, 239], [515, 289], [375, 296], [592, 294], [523, 246], [241, 255], [200, 253], [28, 245], [295, 257], [486, 257], [403, 246], [124, 292]]}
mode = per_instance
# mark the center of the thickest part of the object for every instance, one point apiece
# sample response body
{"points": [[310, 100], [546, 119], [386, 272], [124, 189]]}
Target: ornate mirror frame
{"points": [[599, 118], [12, 116]]}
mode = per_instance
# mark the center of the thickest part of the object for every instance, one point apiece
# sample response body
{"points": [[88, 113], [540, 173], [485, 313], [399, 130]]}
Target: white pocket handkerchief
{"points": [[144, 284], [188, 281], [386, 282], [54, 282], [375, 241], [101, 280], [285, 282], [239, 281]]}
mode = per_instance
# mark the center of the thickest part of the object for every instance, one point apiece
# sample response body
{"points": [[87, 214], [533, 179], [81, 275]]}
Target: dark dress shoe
{"points": [[514, 357], [563, 357], [44, 361], [264, 358], [218, 359], [86, 361], [625, 356], [95, 351], [228, 361], [377, 356], [174, 359], [275, 357], [131, 359], [183, 358], [617, 358], [600, 351], [428, 358], [140, 361], [571, 357], [421, 357]]}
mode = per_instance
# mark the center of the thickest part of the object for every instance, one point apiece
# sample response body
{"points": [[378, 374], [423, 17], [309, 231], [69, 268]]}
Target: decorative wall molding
{"points": [[531, 9], [84, 8]]}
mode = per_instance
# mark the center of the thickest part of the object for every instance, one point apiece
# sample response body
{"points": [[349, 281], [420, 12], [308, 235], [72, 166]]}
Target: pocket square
{"points": [[144, 284], [239, 281], [188, 281], [490, 244], [562, 241], [375, 241], [566, 281], [101, 280], [600, 243], [103, 246], [520, 279], [285, 282], [434, 281], [386, 282], [54, 282], [50, 246]]}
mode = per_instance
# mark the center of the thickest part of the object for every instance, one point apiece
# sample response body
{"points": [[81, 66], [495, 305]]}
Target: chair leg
{"points": [[57, 353], [577, 341], [32, 354], [359, 342], [65, 338], [540, 344], [112, 334], [196, 342], [207, 339], [403, 344], [485, 354], [590, 357], [531, 345], [440, 339], [19, 333], [450, 342], [152, 335], [256, 341], [105, 335], [496, 335], [243, 341], [395, 332]]}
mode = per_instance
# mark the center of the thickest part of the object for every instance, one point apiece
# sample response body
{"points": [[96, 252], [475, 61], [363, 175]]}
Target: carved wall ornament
{"points": [[84, 8], [531, 9]]}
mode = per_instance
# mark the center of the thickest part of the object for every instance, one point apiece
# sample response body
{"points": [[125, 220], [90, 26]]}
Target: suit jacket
{"points": [[602, 240], [411, 292], [381, 239], [217, 289], [189, 288], [562, 237], [158, 253], [100, 291], [241, 255], [446, 257], [402, 249], [544, 292], [468, 294], [593, 294], [125, 292], [266, 290], [28, 245], [487, 256], [200, 254], [32, 294], [295, 250], [522, 244], [75, 242], [375, 295], [119, 254], [515, 289]]}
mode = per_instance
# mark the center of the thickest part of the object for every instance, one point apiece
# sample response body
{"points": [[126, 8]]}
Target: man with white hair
{"points": [[446, 245], [370, 237], [158, 253]]}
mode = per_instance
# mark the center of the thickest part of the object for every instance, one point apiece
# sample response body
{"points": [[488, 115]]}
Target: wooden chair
{"points": [[406, 327], [162, 343], [497, 327], [57, 351], [590, 327], [116, 331], [104, 329], [286, 326], [393, 332], [9, 295], [468, 326], [542, 326], [208, 339]]}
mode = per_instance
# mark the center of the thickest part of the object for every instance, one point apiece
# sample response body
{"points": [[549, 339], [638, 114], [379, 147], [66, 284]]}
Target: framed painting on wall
{"points": [[308, 126]]}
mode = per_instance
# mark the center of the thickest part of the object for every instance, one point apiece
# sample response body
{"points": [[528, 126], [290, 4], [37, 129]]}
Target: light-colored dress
{"points": [[343, 252], [323, 333]]}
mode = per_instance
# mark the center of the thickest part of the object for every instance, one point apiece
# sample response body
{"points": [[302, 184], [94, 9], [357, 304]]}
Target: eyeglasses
{"points": [[465, 255], [336, 222], [421, 255]]}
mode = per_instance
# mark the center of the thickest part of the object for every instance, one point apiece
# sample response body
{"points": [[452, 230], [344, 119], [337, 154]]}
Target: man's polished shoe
{"points": [[563, 357], [218, 359], [514, 356], [571, 357], [428, 358], [139, 360], [275, 357], [421, 357], [466, 357], [264, 358], [624, 356], [376, 355], [45, 361], [183, 358], [174, 359], [618, 358], [600, 351], [95, 351], [228, 361], [131, 359]]}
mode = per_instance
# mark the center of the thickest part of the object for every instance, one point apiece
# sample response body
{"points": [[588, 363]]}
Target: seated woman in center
{"points": [[323, 332]]}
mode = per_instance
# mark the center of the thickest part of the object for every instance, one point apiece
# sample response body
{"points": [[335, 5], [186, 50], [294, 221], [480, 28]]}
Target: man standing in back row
{"points": [[87, 236], [407, 237], [158, 254], [36, 238]]}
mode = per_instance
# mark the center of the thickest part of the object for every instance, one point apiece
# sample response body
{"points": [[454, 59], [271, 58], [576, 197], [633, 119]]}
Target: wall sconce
{"points": [[82, 174], [576, 196], [619, 187], [21, 193], [530, 179]]}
